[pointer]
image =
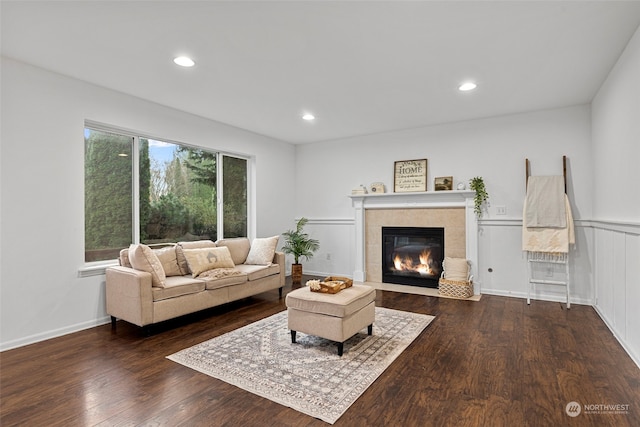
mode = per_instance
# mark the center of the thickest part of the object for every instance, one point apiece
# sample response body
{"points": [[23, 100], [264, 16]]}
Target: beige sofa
{"points": [[154, 285]]}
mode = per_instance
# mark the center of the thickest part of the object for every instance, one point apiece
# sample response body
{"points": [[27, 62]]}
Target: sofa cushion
{"points": [[203, 259], [255, 272], [221, 277], [182, 261], [239, 248], [143, 258], [176, 286], [169, 260], [262, 251]]}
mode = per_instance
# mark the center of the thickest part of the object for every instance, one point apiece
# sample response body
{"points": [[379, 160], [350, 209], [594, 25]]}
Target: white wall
{"points": [[616, 212], [42, 176], [494, 148]]}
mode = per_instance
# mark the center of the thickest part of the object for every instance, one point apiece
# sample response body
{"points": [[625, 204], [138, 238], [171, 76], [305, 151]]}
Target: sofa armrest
{"points": [[278, 258], [129, 296]]}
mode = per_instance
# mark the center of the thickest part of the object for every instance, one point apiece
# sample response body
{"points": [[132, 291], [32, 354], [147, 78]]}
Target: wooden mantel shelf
{"points": [[419, 199]]}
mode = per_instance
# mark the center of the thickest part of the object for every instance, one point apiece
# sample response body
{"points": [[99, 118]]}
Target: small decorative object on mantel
{"points": [[330, 285], [477, 184], [443, 183], [410, 176], [461, 186], [359, 190], [377, 187]]}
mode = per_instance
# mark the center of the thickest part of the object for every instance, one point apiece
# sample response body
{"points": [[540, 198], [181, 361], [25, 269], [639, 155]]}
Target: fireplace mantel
{"points": [[428, 199]]}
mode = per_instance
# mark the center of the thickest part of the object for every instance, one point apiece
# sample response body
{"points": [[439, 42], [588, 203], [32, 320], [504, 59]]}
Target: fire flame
{"points": [[425, 268]]}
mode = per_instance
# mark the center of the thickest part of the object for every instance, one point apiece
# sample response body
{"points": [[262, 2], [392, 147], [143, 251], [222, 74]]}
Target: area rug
{"points": [[308, 376]]}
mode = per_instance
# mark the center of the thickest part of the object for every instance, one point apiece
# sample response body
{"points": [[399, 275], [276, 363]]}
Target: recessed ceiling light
{"points": [[467, 86], [308, 116], [184, 61]]}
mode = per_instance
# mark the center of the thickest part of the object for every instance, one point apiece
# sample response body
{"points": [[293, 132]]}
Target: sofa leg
{"points": [[113, 323], [293, 337], [340, 348], [370, 329], [280, 292]]}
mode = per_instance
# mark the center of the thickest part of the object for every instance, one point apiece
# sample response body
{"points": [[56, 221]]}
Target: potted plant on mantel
{"points": [[299, 244], [477, 184]]}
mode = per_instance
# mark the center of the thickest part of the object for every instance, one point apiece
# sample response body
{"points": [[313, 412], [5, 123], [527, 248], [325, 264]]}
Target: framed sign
{"points": [[443, 183], [410, 175]]}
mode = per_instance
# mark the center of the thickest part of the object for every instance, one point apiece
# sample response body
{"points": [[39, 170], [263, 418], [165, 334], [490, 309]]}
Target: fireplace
{"points": [[412, 255]]}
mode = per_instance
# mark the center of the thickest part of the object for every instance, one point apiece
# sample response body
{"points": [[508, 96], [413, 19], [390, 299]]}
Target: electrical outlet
{"points": [[549, 272], [328, 257], [501, 210]]}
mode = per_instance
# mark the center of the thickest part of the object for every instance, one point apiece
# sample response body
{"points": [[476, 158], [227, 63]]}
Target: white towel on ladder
{"points": [[544, 203]]}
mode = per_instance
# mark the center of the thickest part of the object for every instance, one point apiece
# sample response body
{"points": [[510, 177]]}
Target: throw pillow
{"points": [[143, 258], [262, 251], [182, 261], [203, 259], [456, 269], [169, 260]]}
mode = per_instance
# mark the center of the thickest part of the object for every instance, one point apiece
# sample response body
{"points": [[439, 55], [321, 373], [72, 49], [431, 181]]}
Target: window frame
{"points": [[94, 268]]}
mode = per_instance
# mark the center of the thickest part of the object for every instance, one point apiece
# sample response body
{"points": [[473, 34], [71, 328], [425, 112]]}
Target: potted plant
{"points": [[477, 184], [299, 244]]}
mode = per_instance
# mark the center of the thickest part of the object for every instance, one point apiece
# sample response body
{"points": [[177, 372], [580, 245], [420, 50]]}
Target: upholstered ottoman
{"points": [[336, 317]]}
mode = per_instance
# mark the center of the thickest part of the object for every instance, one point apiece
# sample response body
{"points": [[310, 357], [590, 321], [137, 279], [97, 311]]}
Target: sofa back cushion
{"points": [[262, 251], [204, 259], [124, 258], [238, 247], [182, 261], [169, 260], [143, 258]]}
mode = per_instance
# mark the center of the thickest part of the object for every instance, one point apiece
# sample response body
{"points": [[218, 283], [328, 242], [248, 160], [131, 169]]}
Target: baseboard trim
{"points": [[634, 357], [538, 296], [32, 339]]}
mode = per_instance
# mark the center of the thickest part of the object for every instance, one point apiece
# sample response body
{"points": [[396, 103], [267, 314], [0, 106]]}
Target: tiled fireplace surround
{"points": [[452, 210]]}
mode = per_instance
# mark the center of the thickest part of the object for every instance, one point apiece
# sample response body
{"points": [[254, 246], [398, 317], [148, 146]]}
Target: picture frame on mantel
{"points": [[443, 183], [410, 176]]}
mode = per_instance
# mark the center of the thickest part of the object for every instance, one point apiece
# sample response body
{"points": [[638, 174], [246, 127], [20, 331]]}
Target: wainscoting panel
{"points": [[503, 264], [632, 300], [617, 281], [336, 253]]}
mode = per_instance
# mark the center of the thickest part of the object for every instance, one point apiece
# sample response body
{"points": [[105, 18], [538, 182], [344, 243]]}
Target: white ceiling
{"points": [[361, 67]]}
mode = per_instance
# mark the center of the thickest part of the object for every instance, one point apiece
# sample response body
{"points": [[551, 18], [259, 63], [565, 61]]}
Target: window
{"points": [[150, 191]]}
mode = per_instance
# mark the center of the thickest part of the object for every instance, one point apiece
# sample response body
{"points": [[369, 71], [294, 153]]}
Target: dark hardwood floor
{"points": [[496, 362]]}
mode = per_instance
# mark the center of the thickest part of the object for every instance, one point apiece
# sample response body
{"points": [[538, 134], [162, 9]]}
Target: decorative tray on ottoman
{"points": [[330, 285]]}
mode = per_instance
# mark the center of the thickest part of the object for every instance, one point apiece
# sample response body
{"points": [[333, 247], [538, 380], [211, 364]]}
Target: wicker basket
{"points": [[455, 289]]}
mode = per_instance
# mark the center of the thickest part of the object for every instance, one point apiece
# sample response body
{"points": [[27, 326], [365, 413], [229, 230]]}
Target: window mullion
{"points": [[136, 190], [219, 196]]}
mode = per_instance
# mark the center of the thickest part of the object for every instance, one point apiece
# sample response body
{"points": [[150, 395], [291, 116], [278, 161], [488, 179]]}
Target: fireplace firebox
{"points": [[412, 255]]}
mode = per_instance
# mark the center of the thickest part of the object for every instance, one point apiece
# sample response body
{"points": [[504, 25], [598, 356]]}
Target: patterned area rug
{"points": [[308, 376]]}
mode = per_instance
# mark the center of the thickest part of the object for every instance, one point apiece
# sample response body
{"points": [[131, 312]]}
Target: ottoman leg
{"points": [[340, 348], [293, 337], [370, 329]]}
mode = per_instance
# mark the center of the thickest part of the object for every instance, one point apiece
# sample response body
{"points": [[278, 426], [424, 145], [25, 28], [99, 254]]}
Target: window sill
{"points": [[95, 269]]}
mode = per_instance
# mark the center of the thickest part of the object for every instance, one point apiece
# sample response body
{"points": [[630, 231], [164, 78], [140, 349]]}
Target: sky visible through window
{"points": [[161, 151]]}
